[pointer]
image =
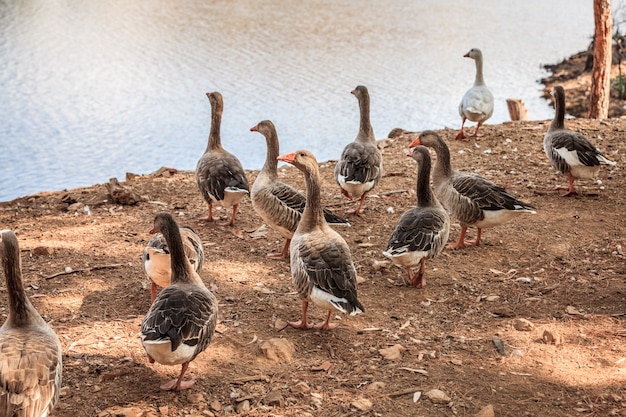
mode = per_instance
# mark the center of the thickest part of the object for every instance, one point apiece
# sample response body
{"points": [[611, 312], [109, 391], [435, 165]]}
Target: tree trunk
{"points": [[517, 109], [601, 78]]}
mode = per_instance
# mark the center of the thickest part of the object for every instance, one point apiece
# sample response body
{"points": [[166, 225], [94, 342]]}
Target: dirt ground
{"points": [[562, 270]]}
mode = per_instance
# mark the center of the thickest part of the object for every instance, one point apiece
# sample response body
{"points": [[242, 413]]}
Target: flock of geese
{"points": [[182, 318]]}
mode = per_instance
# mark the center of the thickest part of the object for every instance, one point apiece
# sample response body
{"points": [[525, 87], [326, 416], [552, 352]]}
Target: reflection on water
{"points": [[91, 90]]}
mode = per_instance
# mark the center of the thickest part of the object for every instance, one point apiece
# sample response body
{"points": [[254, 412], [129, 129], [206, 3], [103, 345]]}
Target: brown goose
{"points": [[182, 319], [477, 103], [570, 152], [422, 232], [279, 204], [321, 265], [472, 199], [361, 165], [219, 173], [156, 258], [30, 351]]}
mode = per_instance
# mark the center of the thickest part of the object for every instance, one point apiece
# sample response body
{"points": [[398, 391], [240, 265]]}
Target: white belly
{"points": [[161, 351], [497, 217], [407, 258], [355, 188]]}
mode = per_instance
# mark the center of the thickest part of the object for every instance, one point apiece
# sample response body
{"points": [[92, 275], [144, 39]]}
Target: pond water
{"points": [[92, 90]]}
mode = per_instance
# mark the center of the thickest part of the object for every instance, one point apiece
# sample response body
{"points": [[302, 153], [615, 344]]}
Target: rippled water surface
{"points": [[90, 90]]}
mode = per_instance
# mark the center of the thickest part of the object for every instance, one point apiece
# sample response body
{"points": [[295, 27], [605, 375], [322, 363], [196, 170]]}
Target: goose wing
{"points": [[419, 230], [217, 172], [360, 162]]}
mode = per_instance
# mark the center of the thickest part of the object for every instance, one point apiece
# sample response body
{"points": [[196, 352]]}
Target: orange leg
{"points": [[461, 134], [571, 190], [326, 325], [301, 324], [417, 281], [209, 217], [476, 241], [283, 254], [461, 243], [359, 209], [152, 293], [231, 222], [475, 135], [178, 384]]}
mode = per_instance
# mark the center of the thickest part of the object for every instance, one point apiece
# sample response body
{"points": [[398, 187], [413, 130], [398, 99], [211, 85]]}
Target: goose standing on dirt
{"points": [[156, 258], [422, 231], [30, 351], [570, 152], [361, 165], [470, 198], [182, 319], [220, 176], [477, 103], [279, 204], [321, 264]]}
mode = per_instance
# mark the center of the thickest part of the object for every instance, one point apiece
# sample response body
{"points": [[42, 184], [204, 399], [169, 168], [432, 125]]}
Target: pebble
{"points": [[300, 388], [275, 399], [215, 406], [523, 325], [551, 338], [278, 350], [486, 411], [195, 398], [361, 404], [437, 396], [392, 353]]}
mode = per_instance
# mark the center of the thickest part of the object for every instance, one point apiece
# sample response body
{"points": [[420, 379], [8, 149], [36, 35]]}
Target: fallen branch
{"points": [[251, 378], [93, 268], [403, 392], [386, 193]]}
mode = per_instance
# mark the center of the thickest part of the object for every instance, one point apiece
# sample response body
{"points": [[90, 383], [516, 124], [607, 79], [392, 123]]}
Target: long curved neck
{"points": [[443, 167], [215, 141], [559, 106], [313, 214], [271, 163], [424, 193], [181, 268], [21, 311], [479, 71], [366, 133]]}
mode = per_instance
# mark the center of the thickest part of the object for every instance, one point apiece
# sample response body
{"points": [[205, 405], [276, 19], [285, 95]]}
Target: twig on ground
{"points": [[93, 268]]}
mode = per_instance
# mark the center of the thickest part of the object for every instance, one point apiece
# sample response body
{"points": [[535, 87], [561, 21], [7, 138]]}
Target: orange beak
{"points": [[466, 55], [410, 152], [254, 129], [415, 142], [289, 158]]}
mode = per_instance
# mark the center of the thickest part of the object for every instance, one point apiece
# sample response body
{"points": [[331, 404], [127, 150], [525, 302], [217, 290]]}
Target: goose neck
{"points": [[559, 110], [273, 150], [424, 193], [215, 141], [479, 80], [313, 214], [366, 133]]}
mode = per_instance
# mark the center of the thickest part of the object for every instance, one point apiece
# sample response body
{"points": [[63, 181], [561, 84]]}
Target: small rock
{"points": [[280, 324], [437, 396], [274, 399], [278, 350], [376, 386], [486, 411], [416, 396], [42, 251], [300, 388], [392, 353], [523, 325], [195, 398], [164, 410], [117, 411], [551, 338], [97, 388], [215, 406], [65, 391], [361, 404], [75, 207], [243, 407], [208, 413]]}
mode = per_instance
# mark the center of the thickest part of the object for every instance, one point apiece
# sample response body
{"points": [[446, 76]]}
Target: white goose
{"points": [[422, 231], [279, 204], [477, 103], [30, 351], [472, 199], [181, 321], [360, 167], [220, 176], [570, 152], [156, 258]]}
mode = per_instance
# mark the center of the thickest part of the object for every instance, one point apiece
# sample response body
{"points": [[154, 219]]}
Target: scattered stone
{"points": [[243, 407], [117, 411], [65, 391], [42, 251], [376, 386], [551, 338], [215, 406], [274, 399], [164, 172], [208, 413], [573, 311], [324, 366], [437, 396], [416, 396], [97, 388], [523, 325], [278, 350], [499, 345], [300, 388], [361, 404], [392, 353], [164, 410], [75, 207], [486, 411], [195, 398], [121, 194]]}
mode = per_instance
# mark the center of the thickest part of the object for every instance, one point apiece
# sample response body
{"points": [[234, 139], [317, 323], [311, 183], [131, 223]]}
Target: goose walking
{"points": [[321, 264], [181, 321], [156, 258], [477, 103], [220, 176], [360, 167], [570, 152], [422, 231], [470, 198], [279, 204], [30, 351]]}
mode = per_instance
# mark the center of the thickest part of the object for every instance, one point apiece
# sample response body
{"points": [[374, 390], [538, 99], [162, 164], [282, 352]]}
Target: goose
{"points": [[279, 204], [30, 351], [321, 264], [570, 152], [477, 103], [361, 164], [422, 231], [156, 257], [220, 176], [181, 321], [472, 199]]}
